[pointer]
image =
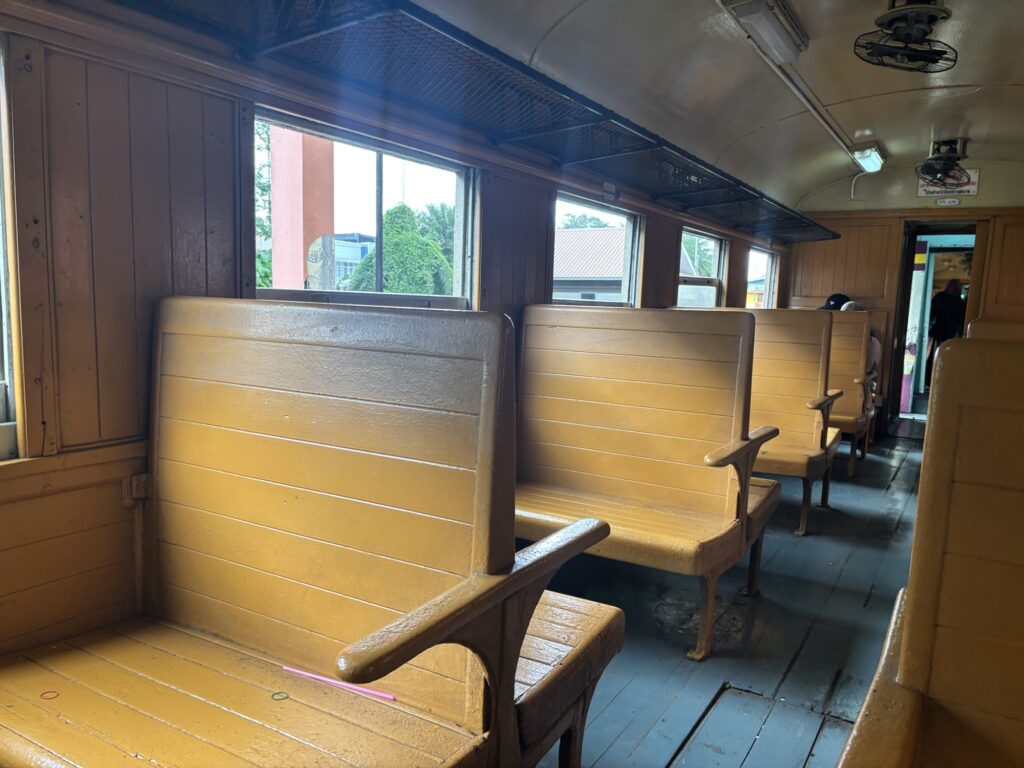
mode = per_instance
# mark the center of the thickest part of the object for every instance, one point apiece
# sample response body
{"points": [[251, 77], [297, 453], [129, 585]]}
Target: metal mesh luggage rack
{"points": [[394, 49]]}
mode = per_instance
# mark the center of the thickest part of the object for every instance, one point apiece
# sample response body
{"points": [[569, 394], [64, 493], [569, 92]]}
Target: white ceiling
{"points": [[684, 69]]}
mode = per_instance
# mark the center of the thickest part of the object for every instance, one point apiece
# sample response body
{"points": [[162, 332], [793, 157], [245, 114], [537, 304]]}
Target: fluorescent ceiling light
{"points": [[758, 18], [869, 158]]}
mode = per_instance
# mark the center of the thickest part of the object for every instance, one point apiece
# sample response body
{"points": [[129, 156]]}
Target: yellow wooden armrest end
{"points": [[385, 650], [889, 721], [826, 402], [737, 450]]}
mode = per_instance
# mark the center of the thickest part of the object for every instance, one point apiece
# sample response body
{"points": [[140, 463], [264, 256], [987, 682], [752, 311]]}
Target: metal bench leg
{"points": [[570, 747], [805, 508], [853, 454], [707, 619], [754, 567], [864, 450]]}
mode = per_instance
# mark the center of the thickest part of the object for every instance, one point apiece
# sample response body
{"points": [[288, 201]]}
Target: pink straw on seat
{"points": [[340, 684]]}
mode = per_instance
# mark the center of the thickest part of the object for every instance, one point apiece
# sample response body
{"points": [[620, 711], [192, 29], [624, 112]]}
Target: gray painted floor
{"points": [[791, 667]]}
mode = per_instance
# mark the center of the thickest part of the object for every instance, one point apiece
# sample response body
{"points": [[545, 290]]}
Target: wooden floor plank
{"points": [[829, 744], [727, 734], [785, 739]]}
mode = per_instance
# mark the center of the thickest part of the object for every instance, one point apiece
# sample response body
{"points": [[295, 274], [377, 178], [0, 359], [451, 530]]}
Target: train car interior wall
{"points": [[483, 383]]}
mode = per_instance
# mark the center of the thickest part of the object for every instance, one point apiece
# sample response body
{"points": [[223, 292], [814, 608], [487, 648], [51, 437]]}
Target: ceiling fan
{"points": [[902, 39], [942, 168]]}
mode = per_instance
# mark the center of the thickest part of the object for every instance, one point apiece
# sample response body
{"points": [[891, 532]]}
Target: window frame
{"points": [[771, 277], [630, 271], [718, 283], [465, 218]]}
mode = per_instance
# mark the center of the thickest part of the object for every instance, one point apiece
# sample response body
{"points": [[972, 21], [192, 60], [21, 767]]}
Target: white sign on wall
{"points": [[924, 189]]}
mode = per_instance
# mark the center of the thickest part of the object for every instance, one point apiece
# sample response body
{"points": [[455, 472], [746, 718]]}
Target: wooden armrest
{"points": [[736, 451], [390, 647], [866, 379], [887, 727], [824, 404]]}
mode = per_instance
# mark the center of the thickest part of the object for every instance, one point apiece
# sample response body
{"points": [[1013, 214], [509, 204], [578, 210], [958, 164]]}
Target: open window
{"points": [[700, 270], [762, 273], [340, 220], [595, 253]]}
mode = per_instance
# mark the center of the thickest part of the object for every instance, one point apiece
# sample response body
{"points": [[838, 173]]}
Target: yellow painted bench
{"points": [[948, 689], [640, 418], [790, 389], [985, 328], [331, 491], [853, 413]]}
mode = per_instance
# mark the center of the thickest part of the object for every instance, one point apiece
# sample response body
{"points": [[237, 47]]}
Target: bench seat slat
{"points": [[178, 699], [434, 542]]}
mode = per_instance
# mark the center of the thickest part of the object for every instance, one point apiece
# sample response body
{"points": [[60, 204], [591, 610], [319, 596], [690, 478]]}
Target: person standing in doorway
{"points": [[946, 321]]}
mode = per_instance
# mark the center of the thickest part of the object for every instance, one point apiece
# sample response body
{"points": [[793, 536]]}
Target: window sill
{"points": [[413, 300]]}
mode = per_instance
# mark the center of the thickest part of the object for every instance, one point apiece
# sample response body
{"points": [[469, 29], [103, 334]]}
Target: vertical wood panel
{"points": [[219, 159], [516, 239], [151, 209], [187, 186], [112, 252], [659, 272], [73, 279], [32, 315]]}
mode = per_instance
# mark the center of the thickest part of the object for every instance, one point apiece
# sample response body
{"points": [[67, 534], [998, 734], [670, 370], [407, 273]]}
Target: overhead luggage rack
{"points": [[396, 50]]}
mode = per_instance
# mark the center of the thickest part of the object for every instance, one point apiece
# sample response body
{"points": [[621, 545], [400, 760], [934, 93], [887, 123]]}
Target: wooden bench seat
{"points": [[854, 413], [640, 418], [789, 389], [995, 330], [947, 691], [331, 489]]}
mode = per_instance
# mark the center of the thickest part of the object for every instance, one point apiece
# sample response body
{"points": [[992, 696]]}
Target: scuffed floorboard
{"points": [[791, 667]]}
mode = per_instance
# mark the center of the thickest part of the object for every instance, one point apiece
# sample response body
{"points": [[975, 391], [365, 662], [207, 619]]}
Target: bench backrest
{"points": [[963, 643], [791, 361], [984, 328], [627, 402], [321, 470], [848, 360]]}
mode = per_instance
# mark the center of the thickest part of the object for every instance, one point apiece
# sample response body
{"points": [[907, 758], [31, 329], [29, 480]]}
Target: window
{"points": [[595, 253], [323, 206], [700, 271], [761, 279]]}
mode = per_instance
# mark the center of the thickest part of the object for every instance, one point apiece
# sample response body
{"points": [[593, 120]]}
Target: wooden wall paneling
{"points": [[151, 205], [736, 274], [246, 201], [71, 226], [112, 252], [515, 245], [35, 393], [1004, 286], [659, 262], [67, 556], [220, 158], [975, 299], [187, 185]]}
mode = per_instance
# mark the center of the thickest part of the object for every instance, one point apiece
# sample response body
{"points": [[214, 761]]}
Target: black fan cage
{"points": [[883, 50]]}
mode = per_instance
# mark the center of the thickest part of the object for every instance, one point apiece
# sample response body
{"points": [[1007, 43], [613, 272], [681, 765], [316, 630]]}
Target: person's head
{"points": [[835, 301], [853, 306], [953, 287]]}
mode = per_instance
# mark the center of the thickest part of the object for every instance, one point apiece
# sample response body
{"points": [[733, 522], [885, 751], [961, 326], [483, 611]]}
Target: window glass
{"points": [[322, 205], [760, 279], [594, 253], [700, 271]]}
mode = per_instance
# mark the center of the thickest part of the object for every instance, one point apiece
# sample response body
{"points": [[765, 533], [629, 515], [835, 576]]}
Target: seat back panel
{"points": [[851, 332], [321, 470], [627, 403]]}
